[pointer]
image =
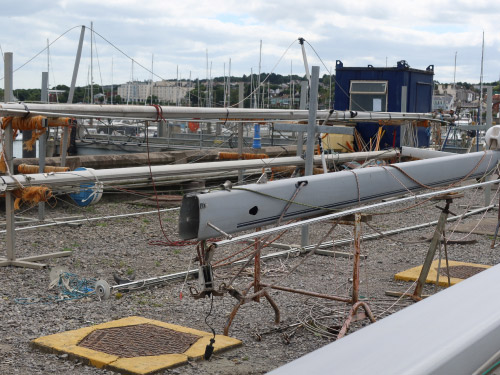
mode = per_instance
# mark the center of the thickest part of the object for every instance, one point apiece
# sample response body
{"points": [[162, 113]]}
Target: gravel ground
{"points": [[126, 246]]}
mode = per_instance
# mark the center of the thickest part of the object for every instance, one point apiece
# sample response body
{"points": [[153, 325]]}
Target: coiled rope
{"points": [[32, 195], [69, 287], [33, 123], [29, 169]]}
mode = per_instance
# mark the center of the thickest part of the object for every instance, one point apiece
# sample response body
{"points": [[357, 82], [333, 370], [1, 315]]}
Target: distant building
{"points": [[281, 101], [465, 96], [446, 89], [443, 102], [165, 91], [460, 96]]}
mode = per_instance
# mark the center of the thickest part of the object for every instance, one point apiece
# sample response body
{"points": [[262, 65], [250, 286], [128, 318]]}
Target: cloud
{"points": [[179, 33]]}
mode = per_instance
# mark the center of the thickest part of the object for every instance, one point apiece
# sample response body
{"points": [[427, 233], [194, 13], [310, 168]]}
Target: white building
{"points": [[165, 91], [459, 93], [442, 102]]}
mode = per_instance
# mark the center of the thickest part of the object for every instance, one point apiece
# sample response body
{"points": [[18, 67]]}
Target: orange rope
{"points": [[27, 169], [32, 195], [245, 156], [3, 164], [228, 156], [254, 156], [33, 123]]}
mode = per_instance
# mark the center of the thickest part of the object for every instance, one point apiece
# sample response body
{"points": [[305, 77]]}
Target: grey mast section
{"points": [[262, 204]]}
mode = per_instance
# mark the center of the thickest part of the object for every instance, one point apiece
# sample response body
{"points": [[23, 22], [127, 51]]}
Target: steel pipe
{"points": [[142, 173], [223, 114]]}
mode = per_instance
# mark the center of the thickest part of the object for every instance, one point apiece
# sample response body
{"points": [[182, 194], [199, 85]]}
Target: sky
{"points": [[173, 38]]}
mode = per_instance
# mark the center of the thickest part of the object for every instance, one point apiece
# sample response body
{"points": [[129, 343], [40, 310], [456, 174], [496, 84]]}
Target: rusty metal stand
{"points": [[439, 233], [354, 314], [498, 226], [257, 286], [436, 239]]}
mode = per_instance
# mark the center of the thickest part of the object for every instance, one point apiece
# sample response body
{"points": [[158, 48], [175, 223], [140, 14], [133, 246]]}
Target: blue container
{"points": [[406, 90], [256, 137], [89, 192]]}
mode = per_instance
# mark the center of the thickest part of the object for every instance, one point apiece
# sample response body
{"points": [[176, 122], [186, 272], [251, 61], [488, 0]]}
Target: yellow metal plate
{"points": [[67, 342], [412, 274]]}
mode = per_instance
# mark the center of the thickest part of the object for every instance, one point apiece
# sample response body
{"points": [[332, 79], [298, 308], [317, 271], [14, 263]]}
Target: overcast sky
{"points": [[178, 34]]}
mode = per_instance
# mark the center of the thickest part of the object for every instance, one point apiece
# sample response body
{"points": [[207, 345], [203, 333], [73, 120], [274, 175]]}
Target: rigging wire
{"points": [[129, 57], [267, 77], [43, 50], [98, 65], [335, 78]]}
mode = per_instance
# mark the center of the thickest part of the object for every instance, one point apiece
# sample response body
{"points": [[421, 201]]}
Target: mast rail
{"points": [[348, 212], [170, 112]]}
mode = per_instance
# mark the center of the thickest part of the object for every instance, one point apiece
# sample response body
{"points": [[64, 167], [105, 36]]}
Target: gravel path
{"points": [[125, 246]]}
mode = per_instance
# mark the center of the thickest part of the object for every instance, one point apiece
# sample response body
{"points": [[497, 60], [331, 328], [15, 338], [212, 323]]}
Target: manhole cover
{"points": [[138, 340], [461, 272]]}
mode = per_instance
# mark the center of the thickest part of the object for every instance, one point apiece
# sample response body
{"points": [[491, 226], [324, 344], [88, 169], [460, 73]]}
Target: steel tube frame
{"points": [[10, 240], [113, 174], [71, 180], [87, 220], [8, 153]]}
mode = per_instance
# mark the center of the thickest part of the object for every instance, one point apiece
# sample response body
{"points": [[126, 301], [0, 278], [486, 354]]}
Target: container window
{"points": [[369, 96]]}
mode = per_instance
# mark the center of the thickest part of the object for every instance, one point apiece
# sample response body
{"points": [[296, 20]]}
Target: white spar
{"points": [[170, 112]]}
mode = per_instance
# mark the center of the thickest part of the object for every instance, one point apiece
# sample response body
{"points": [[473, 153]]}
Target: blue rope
{"points": [[78, 289]]}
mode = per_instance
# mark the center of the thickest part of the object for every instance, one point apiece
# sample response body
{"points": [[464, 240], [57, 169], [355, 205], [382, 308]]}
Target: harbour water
{"points": [[18, 149]]}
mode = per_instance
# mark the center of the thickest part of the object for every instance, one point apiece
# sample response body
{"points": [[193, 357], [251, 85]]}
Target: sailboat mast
{"points": [[225, 85], [152, 77], [252, 93], [481, 87], [48, 57], [258, 79], [330, 104], [91, 63], [290, 99], [211, 92], [189, 90], [111, 79], [207, 101], [455, 72], [229, 85]]}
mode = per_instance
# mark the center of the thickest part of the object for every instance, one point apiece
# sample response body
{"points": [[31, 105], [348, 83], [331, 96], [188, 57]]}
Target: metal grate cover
{"points": [[138, 340], [461, 272]]}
